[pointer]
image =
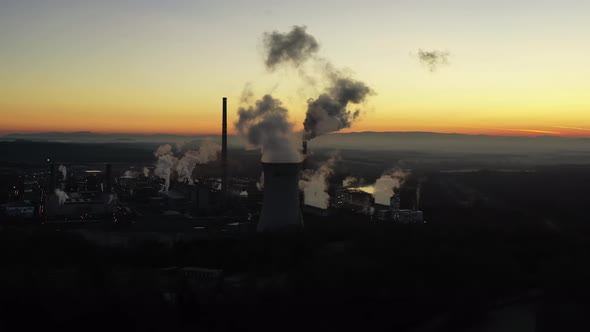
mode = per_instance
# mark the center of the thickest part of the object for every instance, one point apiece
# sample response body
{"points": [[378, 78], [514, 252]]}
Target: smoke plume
{"points": [[207, 152], [61, 195], [260, 183], [349, 181], [168, 164], [266, 126], [146, 172], [385, 185], [163, 150], [294, 47], [111, 198], [329, 112], [247, 94], [433, 59], [314, 184], [63, 170], [165, 164], [130, 174]]}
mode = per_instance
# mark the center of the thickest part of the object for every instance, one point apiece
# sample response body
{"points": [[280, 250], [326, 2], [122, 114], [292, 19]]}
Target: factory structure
{"points": [[83, 194], [355, 200], [127, 192]]}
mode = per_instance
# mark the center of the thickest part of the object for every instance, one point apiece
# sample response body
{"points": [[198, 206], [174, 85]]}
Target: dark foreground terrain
{"points": [[506, 247], [337, 274]]}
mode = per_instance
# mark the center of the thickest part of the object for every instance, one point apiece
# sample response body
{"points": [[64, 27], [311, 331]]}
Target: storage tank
{"points": [[280, 210]]}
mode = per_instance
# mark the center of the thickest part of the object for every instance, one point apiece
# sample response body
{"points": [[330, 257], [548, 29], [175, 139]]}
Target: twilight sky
{"points": [[517, 67]]}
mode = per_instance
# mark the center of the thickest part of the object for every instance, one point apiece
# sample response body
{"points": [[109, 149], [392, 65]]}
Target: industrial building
{"points": [[23, 209], [354, 200], [85, 195]]}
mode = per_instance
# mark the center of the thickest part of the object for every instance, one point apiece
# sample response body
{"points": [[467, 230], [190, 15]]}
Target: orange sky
{"points": [[113, 66]]}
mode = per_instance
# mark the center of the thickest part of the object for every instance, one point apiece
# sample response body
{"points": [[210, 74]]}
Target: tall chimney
{"points": [[224, 152]]}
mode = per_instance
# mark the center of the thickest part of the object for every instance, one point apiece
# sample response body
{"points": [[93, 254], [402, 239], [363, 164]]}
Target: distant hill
{"points": [[370, 141], [91, 137], [455, 143]]}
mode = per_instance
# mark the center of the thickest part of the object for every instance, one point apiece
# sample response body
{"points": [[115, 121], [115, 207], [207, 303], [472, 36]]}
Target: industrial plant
{"points": [[177, 188]]}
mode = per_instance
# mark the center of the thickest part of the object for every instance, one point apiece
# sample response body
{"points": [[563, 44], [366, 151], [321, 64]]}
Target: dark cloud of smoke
{"points": [[294, 47], [266, 126], [433, 59], [329, 112]]}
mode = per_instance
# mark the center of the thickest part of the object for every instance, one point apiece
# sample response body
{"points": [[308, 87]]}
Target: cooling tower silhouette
{"points": [[280, 209]]}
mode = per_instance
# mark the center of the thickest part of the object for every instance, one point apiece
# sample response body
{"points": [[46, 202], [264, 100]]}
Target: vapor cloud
{"points": [[63, 170], [433, 59], [146, 172], [314, 184], [247, 93], [61, 196], [207, 152], [168, 164], [293, 47], [329, 112], [266, 126], [386, 184], [112, 198], [165, 164]]}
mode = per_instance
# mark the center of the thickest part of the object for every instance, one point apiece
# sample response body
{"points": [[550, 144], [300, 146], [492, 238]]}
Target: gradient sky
{"points": [[517, 67]]}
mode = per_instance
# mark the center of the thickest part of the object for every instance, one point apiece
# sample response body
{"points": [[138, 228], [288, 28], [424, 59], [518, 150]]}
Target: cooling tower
{"points": [[280, 209]]}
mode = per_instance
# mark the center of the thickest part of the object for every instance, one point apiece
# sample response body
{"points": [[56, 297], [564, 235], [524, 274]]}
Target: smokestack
{"points": [[280, 209], [224, 152]]}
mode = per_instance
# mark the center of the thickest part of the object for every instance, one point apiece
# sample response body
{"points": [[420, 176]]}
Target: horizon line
{"points": [[547, 134]]}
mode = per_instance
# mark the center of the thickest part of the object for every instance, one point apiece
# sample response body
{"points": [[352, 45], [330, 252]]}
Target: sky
{"points": [[516, 67]]}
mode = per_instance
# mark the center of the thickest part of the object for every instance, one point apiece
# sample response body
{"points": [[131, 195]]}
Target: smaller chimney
{"points": [[224, 152]]}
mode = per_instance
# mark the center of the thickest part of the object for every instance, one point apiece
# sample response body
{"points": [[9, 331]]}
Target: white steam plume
{"points": [[207, 152], [329, 112], [63, 170], [61, 195], [260, 183], [266, 126], [130, 174], [146, 172], [166, 162], [314, 184], [112, 197], [385, 185]]}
